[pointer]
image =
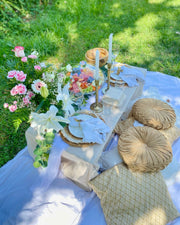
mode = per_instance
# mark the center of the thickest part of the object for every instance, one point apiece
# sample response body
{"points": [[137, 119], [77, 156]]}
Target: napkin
{"points": [[129, 75], [94, 130]]}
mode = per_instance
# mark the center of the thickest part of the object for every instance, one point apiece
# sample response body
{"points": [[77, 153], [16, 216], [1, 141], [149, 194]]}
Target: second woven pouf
{"points": [[154, 113], [144, 149]]}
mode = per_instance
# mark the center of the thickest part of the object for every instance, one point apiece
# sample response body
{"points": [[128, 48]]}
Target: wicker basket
{"points": [[91, 56]]}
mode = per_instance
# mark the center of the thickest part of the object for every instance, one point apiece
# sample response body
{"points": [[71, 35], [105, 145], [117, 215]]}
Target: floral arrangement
{"points": [[39, 93], [45, 95], [82, 79]]}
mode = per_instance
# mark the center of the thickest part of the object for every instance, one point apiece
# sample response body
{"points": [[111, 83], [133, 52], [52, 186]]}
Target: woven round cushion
{"points": [[144, 149], [154, 113]]}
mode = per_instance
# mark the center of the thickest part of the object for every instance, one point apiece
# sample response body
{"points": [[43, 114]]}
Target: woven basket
{"points": [[91, 56]]}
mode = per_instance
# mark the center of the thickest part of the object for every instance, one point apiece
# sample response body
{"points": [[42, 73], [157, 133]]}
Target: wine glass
{"points": [[77, 98], [115, 53]]}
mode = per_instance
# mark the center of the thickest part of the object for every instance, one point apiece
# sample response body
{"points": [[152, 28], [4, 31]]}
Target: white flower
{"points": [[47, 121], [35, 53], [49, 76], [42, 65], [37, 84], [69, 68], [64, 96]]}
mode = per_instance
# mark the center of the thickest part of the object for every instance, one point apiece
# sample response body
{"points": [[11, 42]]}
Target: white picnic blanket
{"points": [[62, 202]]}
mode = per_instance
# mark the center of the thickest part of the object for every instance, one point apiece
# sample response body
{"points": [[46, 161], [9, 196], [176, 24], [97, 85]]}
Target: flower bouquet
{"points": [[82, 79], [39, 94]]}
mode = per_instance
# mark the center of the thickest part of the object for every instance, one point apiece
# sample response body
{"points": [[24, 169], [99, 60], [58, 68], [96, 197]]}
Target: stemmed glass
{"points": [[77, 98], [115, 53]]}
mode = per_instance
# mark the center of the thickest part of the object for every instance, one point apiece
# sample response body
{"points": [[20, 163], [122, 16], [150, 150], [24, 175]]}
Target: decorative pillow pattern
{"points": [[129, 198], [154, 113], [144, 149]]}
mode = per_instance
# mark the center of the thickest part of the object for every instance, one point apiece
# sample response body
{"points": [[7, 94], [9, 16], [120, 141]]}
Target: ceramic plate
{"points": [[77, 130]]}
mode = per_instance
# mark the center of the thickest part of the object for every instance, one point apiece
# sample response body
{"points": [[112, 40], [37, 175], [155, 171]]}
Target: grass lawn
{"points": [[146, 34]]}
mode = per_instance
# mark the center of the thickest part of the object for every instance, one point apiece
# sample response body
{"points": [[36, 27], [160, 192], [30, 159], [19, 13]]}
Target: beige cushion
{"points": [[154, 113], [171, 134], [144, 149], [124, 125], [129, 198]]}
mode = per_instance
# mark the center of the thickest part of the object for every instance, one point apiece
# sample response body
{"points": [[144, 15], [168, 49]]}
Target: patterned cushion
{"points": [[144, 149], [129, 198], [154, 113]]}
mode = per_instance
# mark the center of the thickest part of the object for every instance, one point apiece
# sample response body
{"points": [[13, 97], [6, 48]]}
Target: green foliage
{"points": [[42, 150]]}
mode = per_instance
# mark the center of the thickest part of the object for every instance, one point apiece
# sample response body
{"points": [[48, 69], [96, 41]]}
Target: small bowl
{"points": [[91, 56]]}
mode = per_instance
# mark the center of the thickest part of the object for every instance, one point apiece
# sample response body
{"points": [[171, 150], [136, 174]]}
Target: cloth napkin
{"points": [[94, 129], [129, 75]]}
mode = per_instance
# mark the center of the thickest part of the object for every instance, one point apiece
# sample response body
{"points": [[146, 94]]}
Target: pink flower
{"points": [[75, 88], [12, 108], [6, 105], [11, 74], [15, 102], [32, 56], [26, 100], [20, 76], [37, 67], [21, 89], [30, 94], [19, 51], [24, 59], [37, 84], [14, 91]]}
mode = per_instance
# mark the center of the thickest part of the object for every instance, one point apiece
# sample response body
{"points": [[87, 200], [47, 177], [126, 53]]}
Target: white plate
{"points": [[116, 77], [77, 130]]}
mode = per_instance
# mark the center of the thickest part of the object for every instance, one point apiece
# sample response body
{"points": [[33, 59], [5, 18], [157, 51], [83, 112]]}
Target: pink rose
{"points": [[30, 94], [11, 74], [12, 108], [15, 102], [21, 89], [26, 100], [37, 67], [6, 105], [20, 76], [24, 59], [19, 51], [32, 56], [14, 91]]}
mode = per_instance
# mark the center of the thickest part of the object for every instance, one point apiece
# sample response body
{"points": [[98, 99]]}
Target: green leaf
{"points": [[36, 164], [37, 158], [49, 137], [38, 151]]}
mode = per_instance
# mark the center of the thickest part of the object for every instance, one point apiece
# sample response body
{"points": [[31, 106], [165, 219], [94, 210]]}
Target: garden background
{"points": [[146, 34]]}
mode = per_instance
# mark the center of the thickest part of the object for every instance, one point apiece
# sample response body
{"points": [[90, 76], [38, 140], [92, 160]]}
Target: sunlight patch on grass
{"points": [[174, 3], [72, 32], [156, 1]]}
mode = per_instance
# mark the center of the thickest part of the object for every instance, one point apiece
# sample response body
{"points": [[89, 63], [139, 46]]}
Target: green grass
{"points": [[145, 34]]}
